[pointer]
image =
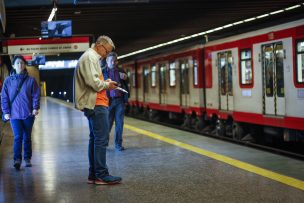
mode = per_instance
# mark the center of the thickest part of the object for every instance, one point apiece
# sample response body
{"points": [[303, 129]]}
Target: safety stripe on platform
{"points": [[233, 162]]}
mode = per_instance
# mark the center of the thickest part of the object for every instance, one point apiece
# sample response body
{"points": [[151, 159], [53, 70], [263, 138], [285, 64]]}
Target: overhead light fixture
{"points": [[249, 19], [292, 7], [263, 16], [53, 12], [211, 30], [276, 12]]}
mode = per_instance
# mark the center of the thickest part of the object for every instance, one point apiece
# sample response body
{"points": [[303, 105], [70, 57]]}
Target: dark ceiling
{"points": [[137, 24]]}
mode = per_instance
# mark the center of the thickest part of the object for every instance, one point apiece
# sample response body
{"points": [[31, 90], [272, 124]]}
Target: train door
{"points": [[225, 80], [184, 83], [273, 79], [163, 83], [146, 83]]}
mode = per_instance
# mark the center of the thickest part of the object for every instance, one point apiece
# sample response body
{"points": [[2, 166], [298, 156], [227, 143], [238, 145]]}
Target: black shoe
{"points": [[28, 163], [91, 180], [17, 164], [108, 180]]}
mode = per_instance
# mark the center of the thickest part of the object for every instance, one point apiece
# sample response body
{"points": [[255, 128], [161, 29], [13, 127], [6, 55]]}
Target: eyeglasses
{"points": [[107, 52]]}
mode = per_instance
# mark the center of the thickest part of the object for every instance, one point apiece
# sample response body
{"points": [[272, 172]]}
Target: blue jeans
{"points": [[99, 139], [22, 130], [117, 113]]}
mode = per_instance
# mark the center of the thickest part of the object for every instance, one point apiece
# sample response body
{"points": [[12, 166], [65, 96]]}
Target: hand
{"points": [[123, 76], [108, 80], [7, 116], [112, 85], [35, 112]]}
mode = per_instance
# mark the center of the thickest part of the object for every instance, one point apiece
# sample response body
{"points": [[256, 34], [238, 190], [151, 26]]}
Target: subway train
{"points": [[248, 87]]}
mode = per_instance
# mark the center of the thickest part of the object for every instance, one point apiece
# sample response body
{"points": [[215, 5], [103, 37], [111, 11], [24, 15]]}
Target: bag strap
{"points": [[17, 91]]}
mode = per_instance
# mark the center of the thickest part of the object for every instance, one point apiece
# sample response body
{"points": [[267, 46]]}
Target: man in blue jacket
{"points": [[117, 98]]}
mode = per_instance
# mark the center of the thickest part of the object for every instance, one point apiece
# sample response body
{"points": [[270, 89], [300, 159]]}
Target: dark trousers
{"points": [[22, 130], [117, 113], [98, 142]]}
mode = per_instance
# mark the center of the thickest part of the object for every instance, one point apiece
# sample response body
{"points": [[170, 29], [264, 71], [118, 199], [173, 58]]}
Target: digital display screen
{"points": [[37, 60], [53, 29]]}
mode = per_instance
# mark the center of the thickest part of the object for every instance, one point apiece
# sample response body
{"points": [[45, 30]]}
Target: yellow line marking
{"points": [[233, 162]]}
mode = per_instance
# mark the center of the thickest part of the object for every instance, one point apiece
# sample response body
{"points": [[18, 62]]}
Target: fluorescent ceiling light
{"points": [[292, 7], [275, 12], [52, 14], [208, 31], [263, 16], [249, 19], [229, 25], [237, 23], [218, 28]]}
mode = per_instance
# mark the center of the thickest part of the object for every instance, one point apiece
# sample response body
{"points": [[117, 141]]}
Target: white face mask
{"points": [[19, 66]]}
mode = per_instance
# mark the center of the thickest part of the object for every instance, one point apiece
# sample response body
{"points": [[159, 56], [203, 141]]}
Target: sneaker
{"points": [[28, 163], [91, 180], [108, 180], [17, 164]]}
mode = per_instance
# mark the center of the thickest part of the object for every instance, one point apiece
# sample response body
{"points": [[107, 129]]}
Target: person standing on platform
{"points": [[90, 97], [20, 104], [117, 99]]}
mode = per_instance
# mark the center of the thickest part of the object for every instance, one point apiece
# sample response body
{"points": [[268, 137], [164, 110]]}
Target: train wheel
{"points": [[146, 113], [199, 123], [220, 128], [187, 121], [237, 131]]}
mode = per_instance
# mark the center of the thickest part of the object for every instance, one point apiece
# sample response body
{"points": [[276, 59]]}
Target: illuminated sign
{"points": [[47, 46]]}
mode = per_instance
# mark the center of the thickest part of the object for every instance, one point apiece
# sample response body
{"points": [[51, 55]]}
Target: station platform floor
{"points": [[160, 164]]}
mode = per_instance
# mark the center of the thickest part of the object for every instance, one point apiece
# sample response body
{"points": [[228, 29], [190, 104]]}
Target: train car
{"points": [[257, 79], [245, 86], [170, 86]]}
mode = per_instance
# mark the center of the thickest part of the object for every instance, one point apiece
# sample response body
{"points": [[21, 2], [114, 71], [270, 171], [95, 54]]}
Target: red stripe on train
{"points": [[260, 119]]}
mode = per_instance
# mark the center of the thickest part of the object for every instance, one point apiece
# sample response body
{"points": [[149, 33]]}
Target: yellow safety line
{"points": [[233, 162]]}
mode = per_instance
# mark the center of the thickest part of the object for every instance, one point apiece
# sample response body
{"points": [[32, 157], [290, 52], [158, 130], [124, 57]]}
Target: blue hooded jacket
{"points": [[27, 99]]}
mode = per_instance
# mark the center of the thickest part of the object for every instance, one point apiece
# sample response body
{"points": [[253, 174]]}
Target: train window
{"points": [[129, 76], [172, 74], [279, 56], [162, 78], [268, 64], [222, 65], [146, 79], [225, 61], [153, 76], [195, 72], [184, 71], [229, 73], [300, 62], [246, 67], [133, 80]]}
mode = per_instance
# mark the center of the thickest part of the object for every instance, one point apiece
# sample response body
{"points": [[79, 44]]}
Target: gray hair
{"points": [[103, 39]]}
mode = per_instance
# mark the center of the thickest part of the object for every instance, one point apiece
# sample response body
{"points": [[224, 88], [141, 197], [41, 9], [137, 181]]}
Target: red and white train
{"points": [[245, 84]]}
